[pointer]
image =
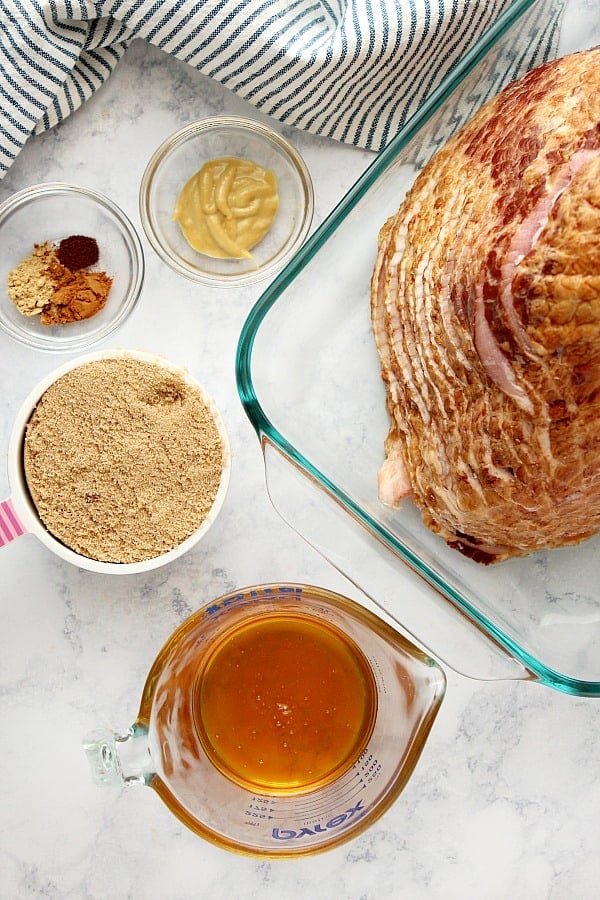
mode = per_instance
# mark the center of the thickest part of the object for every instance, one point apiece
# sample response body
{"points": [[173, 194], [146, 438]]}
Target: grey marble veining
{"points": [[505, 800]]}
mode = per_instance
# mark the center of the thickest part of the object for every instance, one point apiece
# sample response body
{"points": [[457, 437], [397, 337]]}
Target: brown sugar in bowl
{"points": [[119, 462]]}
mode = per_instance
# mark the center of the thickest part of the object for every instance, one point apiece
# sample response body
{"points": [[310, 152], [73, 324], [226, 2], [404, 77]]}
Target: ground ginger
{"points": [[30, 284]]}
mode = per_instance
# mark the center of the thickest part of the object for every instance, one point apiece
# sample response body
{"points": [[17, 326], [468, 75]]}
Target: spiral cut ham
{"points": [[485, 304]]}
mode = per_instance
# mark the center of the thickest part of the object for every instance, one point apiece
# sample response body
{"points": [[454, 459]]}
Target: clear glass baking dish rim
{"points": [[527, 666]]}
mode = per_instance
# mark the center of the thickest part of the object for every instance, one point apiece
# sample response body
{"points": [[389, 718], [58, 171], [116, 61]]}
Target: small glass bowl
{"points": [[183, 154], [50, 212]]}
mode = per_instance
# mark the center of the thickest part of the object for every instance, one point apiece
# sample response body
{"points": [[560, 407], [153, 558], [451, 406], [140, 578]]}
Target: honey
{"points": [[284, 703]]}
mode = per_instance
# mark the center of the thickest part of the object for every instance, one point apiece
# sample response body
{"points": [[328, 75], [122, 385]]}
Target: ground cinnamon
{"points": [[77, 295]]}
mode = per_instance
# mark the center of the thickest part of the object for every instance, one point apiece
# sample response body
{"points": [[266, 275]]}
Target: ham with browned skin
{"points": [[485, 306]]}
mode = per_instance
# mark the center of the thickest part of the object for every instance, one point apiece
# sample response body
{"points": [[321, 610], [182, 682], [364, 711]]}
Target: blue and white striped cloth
{"points": [[353, 70]]}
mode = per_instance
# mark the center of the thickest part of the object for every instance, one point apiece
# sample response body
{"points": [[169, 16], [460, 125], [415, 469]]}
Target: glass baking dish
{"points": [[309, 379]]}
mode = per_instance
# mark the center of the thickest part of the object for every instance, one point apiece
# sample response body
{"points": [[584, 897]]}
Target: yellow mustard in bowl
{"points": [[227, 207]]}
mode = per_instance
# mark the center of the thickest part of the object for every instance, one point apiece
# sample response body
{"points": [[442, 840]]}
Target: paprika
{"points": [[78, 252]]}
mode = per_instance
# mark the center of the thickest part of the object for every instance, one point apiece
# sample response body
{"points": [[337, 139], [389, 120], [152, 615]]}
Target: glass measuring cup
{"points": [[167, 747]]}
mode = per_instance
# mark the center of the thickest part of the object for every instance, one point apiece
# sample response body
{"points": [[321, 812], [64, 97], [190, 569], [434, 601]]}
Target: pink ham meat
{"points": [[485, 307]]}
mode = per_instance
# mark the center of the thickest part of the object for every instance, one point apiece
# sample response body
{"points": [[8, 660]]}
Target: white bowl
{"points": [[18, 514]]}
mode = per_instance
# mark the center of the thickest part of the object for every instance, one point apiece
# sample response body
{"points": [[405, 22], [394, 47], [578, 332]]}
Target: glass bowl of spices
{"points": [[72, 267], [226, 201]]}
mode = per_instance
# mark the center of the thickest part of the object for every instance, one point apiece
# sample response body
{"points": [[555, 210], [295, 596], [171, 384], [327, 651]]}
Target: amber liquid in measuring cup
{"points": [[284, 703], [277, 721]]}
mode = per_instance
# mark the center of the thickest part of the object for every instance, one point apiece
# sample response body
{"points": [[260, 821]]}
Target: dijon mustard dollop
{"points": [[227, 207]]}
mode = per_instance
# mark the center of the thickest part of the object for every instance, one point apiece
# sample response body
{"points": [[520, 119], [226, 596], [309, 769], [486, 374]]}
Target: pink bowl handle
{"points": [[11, 526]]}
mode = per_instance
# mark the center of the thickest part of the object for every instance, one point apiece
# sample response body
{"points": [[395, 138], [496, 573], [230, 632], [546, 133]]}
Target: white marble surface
{"points": [[505, 800]]}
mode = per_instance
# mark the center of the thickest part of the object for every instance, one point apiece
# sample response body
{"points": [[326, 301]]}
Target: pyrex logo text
{"points": [[267, 593], [289, 834]]}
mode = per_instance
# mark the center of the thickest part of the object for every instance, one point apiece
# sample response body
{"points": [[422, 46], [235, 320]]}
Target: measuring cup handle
{"points": [[118, 759], [11, 526]]}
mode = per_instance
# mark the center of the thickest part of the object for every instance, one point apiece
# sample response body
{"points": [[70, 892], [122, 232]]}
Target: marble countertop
{"points": [[505, 799]]}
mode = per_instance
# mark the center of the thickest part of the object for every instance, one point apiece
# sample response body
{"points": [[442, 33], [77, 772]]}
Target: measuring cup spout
{"points": [[11, 526], [118, 759]]}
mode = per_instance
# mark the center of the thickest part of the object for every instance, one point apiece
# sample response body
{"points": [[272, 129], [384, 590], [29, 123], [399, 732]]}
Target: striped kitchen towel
{"points": [[353, 70]]}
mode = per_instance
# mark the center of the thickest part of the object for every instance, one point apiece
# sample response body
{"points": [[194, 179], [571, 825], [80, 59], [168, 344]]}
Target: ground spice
{"points": [[123, 459], [77, 295], [78, 252], [42, 284], [30, 285]]}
